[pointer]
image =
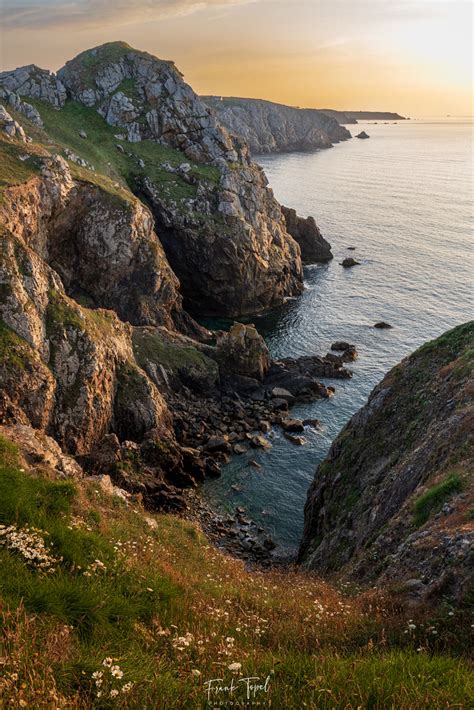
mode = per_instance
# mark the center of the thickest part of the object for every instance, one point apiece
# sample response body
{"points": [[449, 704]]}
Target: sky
{"points": [[410, 56]]}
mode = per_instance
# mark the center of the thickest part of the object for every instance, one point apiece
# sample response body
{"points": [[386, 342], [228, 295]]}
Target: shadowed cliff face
{"points": [[268, 127], [392, 500]]}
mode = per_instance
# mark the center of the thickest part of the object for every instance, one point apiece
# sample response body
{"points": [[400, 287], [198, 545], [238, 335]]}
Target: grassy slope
{"points": [[321, 648], [99, 148]]}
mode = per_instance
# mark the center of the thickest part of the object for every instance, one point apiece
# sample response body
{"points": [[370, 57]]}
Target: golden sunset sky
{"points": [[411, 56]]}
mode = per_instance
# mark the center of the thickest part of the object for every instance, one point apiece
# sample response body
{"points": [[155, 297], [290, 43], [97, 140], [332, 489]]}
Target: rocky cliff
{"points": [[99, 359], [314, 248], [125, 114], [273, 128], [393, 500]]}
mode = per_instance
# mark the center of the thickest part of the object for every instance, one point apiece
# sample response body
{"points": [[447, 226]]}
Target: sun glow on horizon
{"points": [[410, 56]]}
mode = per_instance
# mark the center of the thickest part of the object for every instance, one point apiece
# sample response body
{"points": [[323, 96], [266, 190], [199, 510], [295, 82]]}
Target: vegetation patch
{"points": [[149, 347], [139, 611], [115, 171], [433, 500], [14, 171], [14, 350]]}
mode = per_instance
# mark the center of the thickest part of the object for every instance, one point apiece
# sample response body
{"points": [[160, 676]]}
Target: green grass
{"points": [[14, 171], [95, 605], [163, 582], [111, 165], [433, 500]]}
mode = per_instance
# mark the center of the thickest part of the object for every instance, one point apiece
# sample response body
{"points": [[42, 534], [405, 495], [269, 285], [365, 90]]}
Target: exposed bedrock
{"points": [[268, 127]]}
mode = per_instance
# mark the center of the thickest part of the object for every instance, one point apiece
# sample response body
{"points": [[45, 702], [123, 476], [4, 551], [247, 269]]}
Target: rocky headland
{"points": [[352, 117], [125, 206], [392, 504], [268, 127]]}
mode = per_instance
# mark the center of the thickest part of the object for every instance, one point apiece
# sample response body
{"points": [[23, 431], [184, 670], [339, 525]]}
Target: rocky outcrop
{"points": [[228, 245], [362, 135], [36, 83], [23, 107], [229, 248], [11, 127], [391, 502], [268, 127], [242, 351], [305, 231], [103, 247]]}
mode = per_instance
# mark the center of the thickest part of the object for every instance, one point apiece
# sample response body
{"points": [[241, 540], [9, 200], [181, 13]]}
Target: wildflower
{"points": [[116, 672], [127, 687], [113, 693], [234, 667], [195, 672], [107, 662]]}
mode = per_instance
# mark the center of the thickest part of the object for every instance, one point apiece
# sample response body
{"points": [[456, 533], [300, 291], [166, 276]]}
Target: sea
{"points": [[404, 200]]}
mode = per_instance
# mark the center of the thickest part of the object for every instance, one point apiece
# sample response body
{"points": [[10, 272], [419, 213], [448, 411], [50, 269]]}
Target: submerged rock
{"points": [[348, 262]]}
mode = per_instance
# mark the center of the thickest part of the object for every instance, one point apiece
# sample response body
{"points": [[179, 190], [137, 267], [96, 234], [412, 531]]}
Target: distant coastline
{"points": [[269, 127]]}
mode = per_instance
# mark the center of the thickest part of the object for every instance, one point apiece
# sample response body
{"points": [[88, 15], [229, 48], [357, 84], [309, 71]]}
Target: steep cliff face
{"points": [[273, 128], [220, 225], [393, 500], [102, 245]]}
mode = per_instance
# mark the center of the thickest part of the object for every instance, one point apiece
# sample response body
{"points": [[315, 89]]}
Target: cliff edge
{"points": [[269, 127], [393, 501]]}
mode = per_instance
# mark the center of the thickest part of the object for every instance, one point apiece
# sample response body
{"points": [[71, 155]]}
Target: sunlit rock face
{"points": [[268, 127], [228, 245]]}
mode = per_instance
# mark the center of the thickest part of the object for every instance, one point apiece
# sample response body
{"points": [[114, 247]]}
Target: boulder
{"points": [[292, 425], [259, 442], [342, 345], [242, 351], [362, 135], [382, 325]]}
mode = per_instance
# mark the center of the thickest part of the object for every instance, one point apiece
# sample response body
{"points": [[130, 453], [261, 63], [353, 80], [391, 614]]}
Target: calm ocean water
{"points": [[404, 200]]}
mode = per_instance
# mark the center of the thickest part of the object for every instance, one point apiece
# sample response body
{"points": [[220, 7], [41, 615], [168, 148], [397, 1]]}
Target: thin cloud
{"points": [[21, 14]]}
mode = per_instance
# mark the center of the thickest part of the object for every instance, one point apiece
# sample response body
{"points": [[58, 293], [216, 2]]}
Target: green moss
{"points": [[14, 350], [450, 345], [59, 312], [149, 347], [433, 500]]}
